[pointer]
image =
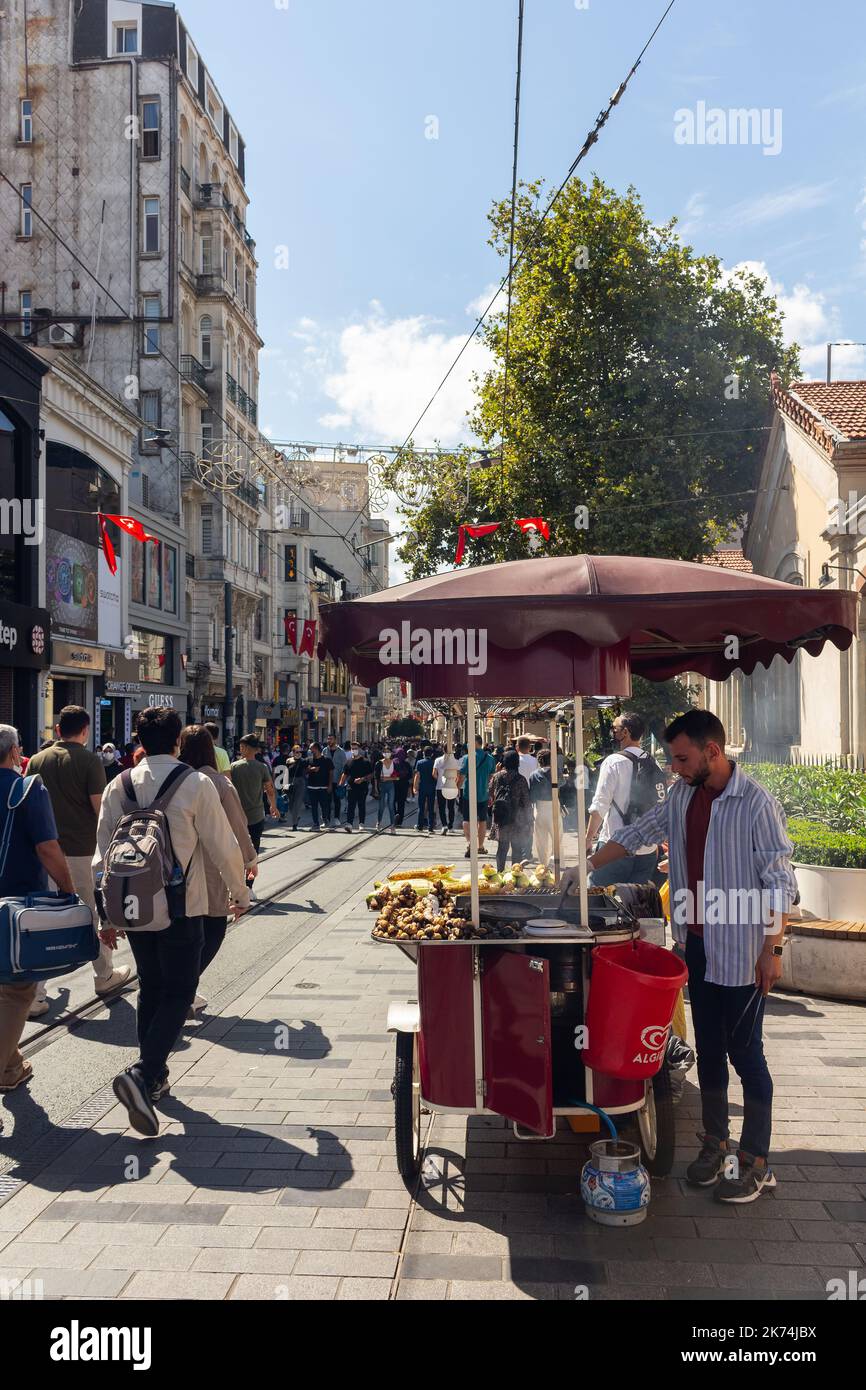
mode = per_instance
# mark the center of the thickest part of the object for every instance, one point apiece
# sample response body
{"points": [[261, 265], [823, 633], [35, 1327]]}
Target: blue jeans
{"points": [[635, 868], [426, 808], [338, 795], [386, 799], [718, 1036]]}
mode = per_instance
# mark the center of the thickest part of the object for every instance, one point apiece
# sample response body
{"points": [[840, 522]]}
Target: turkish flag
{"points": [[130, 526], [107, 547], [538, 522], [475, 532], [291, 626], [308, 640]]}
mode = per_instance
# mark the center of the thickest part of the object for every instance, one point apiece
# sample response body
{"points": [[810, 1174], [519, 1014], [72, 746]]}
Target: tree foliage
{"points": [[405, 728], [637, 387]]}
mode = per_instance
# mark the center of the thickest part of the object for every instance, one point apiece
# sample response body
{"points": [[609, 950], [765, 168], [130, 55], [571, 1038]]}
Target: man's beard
{"points": [[701, 776]]}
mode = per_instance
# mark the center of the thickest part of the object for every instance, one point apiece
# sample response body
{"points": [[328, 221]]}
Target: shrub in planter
{"points": [[814, 843], [831, 797]]}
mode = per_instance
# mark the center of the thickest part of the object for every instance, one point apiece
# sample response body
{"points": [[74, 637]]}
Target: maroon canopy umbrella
{"points": [[579, 624]]}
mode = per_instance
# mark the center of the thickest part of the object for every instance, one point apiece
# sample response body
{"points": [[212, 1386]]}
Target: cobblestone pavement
{"points": [[274, 1175]]}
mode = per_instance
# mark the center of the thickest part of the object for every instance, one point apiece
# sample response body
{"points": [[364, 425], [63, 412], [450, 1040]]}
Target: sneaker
{"points": [[347, 828], [753, 1175], [707, 1167], [115, 980], [391, 830], [38, 1008], [18, 1079], [133, 1092], [468, 854], [162, 1087], [445, 830]]}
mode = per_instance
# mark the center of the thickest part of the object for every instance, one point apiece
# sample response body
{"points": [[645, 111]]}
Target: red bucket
{"points": [[632, 994]]}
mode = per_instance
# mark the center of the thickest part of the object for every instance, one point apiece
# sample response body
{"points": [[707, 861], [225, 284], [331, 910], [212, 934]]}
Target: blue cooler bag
{"points": [[41, 934]]}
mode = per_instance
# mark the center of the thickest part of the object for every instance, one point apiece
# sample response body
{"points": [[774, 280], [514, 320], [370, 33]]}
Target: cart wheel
{"points": [[656, 1127], [406, 1091]]}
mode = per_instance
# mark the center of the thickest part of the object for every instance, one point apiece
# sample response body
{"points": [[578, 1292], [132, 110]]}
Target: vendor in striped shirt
{"points": [[731, 886]]}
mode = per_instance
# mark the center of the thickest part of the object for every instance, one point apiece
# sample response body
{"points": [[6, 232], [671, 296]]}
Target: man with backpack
{"points": [[629, 784], [29, 852], [149, 871]]}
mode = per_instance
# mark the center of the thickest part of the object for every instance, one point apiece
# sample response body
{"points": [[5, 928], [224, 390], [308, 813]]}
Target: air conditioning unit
{"points": [[64, 334]]}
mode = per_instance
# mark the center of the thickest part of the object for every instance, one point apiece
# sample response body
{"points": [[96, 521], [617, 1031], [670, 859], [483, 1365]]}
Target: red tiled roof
{"points": [[729, 560], [830, 412]]}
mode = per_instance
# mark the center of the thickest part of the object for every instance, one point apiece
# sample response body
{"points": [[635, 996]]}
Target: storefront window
{"points": [[154, 575], [136, 573], [153, 656], [81, 593], [7, 489], [169, 578]]}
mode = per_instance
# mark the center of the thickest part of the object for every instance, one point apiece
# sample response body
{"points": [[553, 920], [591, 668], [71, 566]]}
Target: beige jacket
{"points": [[197, 823], [217, 889]]}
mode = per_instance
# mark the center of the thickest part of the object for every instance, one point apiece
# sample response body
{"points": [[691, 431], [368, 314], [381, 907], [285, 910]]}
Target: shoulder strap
{"points": [[170, 786], [20, 790]]}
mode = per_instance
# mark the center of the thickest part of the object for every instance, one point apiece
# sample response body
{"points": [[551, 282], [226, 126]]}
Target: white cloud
{"points": [[770, 206], [389, 370], [476, 307], [693, 215], [810, 321]]}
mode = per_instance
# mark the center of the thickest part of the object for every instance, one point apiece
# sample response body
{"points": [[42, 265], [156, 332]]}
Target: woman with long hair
{"points": [[197, 749]]}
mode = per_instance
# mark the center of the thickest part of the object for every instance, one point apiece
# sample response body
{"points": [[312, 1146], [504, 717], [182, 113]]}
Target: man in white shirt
{"points": [[528, 760], [168, 960], [609, 807], [445, 769]]}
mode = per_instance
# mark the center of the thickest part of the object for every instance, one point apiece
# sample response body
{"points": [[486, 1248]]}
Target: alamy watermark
{"points": [[23, 517], [723, 907], [438, 646], [737, 126]]}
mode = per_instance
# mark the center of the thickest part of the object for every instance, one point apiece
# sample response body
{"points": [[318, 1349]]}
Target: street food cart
{"points": [[496, 1026]]}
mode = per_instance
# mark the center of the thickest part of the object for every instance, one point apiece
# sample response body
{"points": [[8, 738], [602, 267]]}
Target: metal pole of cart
{"points": [[472, 790], [581, 808], [554, 799]]}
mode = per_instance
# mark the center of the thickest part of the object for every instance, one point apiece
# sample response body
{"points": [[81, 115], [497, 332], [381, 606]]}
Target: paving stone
{"points": [[289, 1289], [717, 1250], [23, 1252], [255, 1261], [239, 1237], [758, 1229], [779, 1278], [94, 1211], [464, 1267], [294, 1217], [181, 1213], [104, 1233], [847, 1211], [362, 1289], [422, 1290], [806, 1252], [189, 1284], [300, 1238], [377, 1240], [661, 1273], [137, 1257], [80, 1283], [337, 1197], [347, 1264]]}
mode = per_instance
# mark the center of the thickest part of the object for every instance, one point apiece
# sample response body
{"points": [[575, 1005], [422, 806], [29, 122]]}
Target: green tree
{"points": [[405, 728], [637, 388]]}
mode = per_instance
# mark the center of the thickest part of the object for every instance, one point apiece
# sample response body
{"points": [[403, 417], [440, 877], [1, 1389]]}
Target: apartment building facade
{"points": [[126, 250]]}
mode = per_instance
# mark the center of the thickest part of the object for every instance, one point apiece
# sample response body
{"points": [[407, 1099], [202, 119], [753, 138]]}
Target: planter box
{"points": [[827, 966], [834, 894]]}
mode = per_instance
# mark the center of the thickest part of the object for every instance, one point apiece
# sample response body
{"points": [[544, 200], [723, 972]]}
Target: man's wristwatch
{"points": [[777, 950]]}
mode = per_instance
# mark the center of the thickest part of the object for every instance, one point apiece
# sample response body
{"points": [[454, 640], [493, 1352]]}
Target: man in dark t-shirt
{"points": [[320, 782], [357, 775], [424, 788]]}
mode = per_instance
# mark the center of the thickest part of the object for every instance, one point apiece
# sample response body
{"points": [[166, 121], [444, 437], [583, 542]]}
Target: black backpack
{"points": [[648, 788], [502, 803]]}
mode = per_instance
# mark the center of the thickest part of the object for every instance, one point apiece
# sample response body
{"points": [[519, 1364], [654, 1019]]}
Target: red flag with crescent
{"points": [[291, 626], [308, 640], [475, 532]]}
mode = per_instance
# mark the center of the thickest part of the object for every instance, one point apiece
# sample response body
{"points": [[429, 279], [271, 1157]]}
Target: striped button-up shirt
{"points": [[747, 871]]}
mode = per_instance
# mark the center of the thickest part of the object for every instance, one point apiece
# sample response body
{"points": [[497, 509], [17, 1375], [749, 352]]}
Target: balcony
{"points": [[185, 180], [190, 566], [194, 371], [231, 388], [247, 406], [187, 464], [211, 282], [249, 493], [208, 195]]}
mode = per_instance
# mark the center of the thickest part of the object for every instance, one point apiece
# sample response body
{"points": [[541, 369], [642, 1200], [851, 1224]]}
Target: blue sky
{"points": [[386, 228]]}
